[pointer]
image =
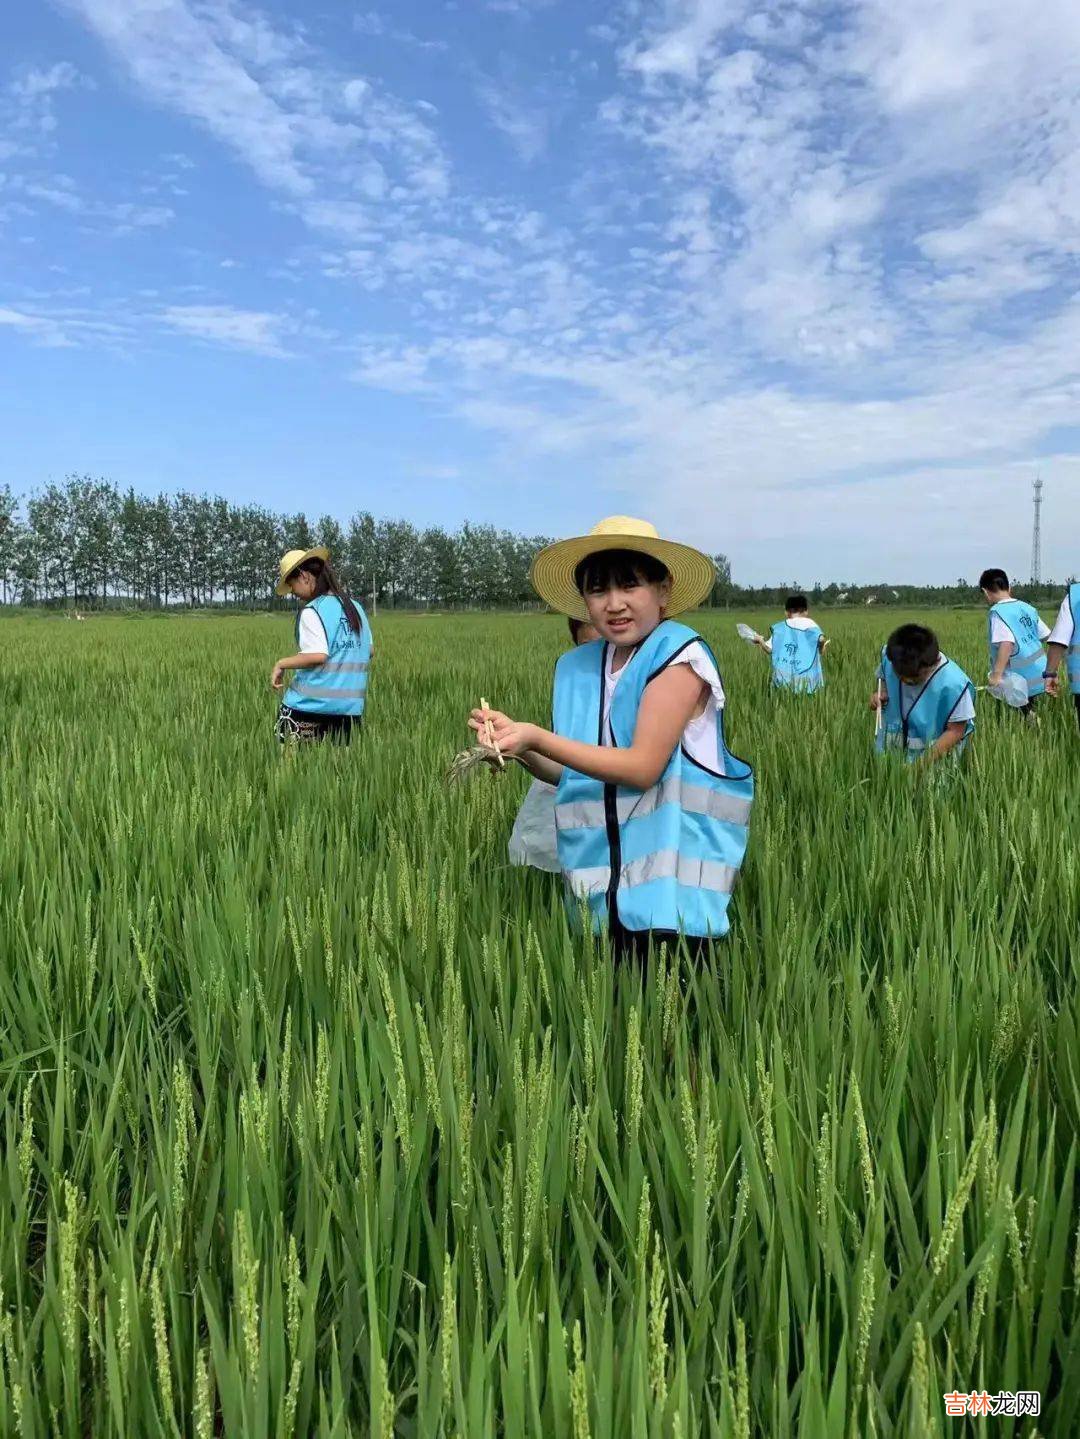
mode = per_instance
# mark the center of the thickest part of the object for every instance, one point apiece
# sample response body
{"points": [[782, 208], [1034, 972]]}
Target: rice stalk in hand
{"points": [[468, 761]]}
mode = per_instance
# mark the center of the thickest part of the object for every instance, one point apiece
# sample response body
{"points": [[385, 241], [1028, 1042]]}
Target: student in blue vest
{"points": [[1064, 645], [534, 839], [1016, 635], [926, 700], [326, 694], [651, 807], [796, 645]]}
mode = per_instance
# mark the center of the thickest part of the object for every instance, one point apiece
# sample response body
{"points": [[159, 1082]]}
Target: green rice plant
{"points": [[319, 1118]]}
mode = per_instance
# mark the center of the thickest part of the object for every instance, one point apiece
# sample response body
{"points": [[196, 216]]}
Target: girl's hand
{"points": [[276, 681], [511, 736], [877, 699]]}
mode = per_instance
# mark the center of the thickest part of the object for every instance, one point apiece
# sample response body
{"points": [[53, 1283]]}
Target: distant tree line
{"points": [[85, 542]]}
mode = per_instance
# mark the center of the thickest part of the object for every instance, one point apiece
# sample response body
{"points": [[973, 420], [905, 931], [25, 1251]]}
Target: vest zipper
{"points": [[611, 810]]}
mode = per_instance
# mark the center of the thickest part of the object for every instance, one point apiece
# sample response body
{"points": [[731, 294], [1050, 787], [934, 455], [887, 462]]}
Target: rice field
{"points": [[318, 1120]]}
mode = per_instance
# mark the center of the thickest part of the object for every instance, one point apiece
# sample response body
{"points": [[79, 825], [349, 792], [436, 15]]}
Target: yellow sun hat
{"points": [[552, 573], [292, 560]]}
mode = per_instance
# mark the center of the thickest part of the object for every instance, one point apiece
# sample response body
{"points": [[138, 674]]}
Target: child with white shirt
{"points": [[328, 689], [927, 702], [1016, 635], [1064, 644], [796, 645], [651, 807]]}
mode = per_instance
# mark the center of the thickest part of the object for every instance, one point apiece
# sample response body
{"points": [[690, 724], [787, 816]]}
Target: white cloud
{"points": [[32, 83], [404, 372], [252, 330], [117, 217], [257, 89], [685, 37], [524, 125], [375, 26], [39, 328]]}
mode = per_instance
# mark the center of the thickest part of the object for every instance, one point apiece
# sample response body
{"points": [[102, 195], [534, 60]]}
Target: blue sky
{"points": [[796, 282]]}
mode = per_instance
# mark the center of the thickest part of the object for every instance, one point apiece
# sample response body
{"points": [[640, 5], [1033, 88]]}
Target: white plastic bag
{"points": [[1012, 689], [532, 840]]}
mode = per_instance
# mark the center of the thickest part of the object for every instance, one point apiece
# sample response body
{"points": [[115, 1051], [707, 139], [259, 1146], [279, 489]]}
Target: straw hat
{"points": [[552, 574], [292, 560]]}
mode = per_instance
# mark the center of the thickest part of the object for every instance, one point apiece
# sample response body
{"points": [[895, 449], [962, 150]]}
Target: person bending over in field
{"points": [[927, 702], [1065, 645], [533, 840], [325, 699], [796, 645], [651, 808], [1016, 635]]}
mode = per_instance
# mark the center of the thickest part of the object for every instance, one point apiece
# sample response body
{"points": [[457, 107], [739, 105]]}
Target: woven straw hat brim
{"points": [[318, 553], [552, 573]]}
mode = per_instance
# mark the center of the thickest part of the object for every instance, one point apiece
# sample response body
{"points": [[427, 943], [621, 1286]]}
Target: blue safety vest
{"points": [[664, 858], [338, 687], [1028, 659], [796, 657], [930, 711], [1073, 651]]}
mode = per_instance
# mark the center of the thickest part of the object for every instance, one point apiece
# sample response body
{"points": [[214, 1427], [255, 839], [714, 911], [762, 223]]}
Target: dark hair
{"points": [[993, 580], [327, 583], [622, 568], [796, 605], [575, 627], [912, 649]]}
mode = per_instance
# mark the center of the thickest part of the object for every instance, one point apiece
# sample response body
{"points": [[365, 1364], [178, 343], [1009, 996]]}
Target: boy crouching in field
{"points": [[926, 702]]}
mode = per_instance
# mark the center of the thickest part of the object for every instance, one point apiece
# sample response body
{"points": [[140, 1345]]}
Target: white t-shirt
{"points": [[797, 622], [1062, 633], [964, 711], [313, 638], [1000, 631], [700, 737]]}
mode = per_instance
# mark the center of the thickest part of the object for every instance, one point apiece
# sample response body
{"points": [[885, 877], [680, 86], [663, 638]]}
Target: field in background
{"points": [[317, 1120]]}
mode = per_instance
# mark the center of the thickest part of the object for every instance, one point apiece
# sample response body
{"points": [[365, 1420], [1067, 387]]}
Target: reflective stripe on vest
{"points": [[1028, 659], [665, 858], [692, 798], [339, 685], [662, 864]]}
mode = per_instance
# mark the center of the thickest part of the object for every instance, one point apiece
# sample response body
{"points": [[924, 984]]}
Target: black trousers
{"points": [[634, 944], [303, 727]]}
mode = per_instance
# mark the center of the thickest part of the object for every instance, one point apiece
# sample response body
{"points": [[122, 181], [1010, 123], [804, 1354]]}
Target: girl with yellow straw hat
{"points": [[651, 807], [325, 699]]}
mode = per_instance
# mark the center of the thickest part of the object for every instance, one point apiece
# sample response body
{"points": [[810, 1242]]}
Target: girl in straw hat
{"points": [[333, 639], [651, 807]]}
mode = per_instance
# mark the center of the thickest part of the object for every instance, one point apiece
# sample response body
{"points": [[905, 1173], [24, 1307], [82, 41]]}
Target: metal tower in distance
{"points": [[1036, 534]]}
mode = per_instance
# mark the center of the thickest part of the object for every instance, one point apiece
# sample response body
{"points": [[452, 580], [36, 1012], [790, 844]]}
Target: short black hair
{"points": [[796, 605], [622, 568], [993, 580], [912, 649], [575, 627]]}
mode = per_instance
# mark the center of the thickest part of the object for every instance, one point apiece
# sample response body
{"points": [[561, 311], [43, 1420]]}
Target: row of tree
{"points": [[86, 542]]}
